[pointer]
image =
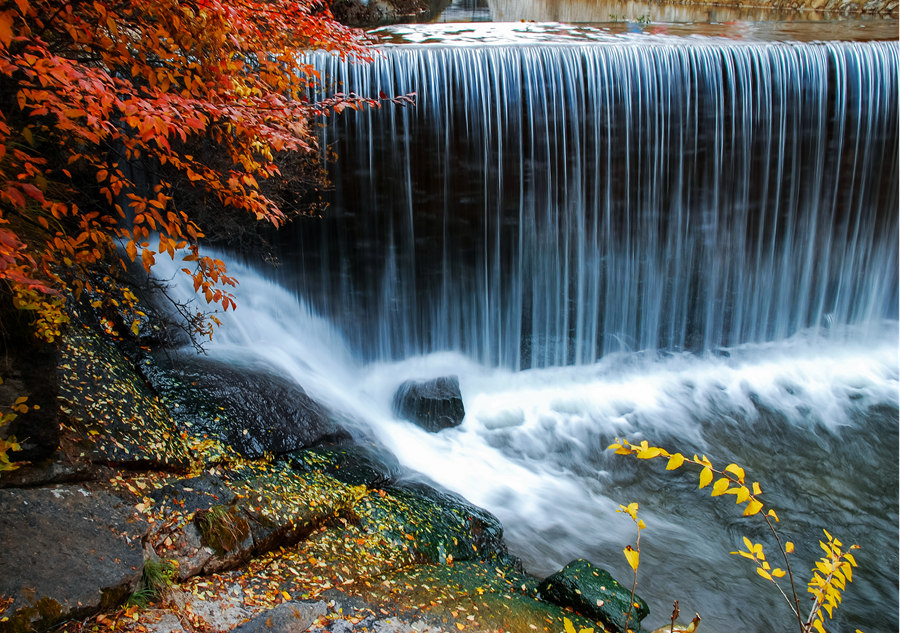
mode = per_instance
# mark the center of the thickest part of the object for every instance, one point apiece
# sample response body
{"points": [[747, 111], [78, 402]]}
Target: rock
{"points": [[189, 497], [188, 551], [211, 524], [114, 416], [289, 617], [437, 525], [74, 551], [167, 623], [194, 493], [48, 472], [462, 596], [593, 593], [248, 408], [218, 613], [355, 464], [432, 404]]}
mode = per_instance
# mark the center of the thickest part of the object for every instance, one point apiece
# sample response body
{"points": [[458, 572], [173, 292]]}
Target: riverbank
{"points": [[140, 514]]}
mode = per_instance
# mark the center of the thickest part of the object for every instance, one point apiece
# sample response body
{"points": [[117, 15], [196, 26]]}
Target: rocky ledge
{"points": [[167, 505]]}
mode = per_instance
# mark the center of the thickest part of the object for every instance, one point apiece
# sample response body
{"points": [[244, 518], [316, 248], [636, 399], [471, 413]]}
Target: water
{"points": [[594, 11], [812, 417], [686, 240]]}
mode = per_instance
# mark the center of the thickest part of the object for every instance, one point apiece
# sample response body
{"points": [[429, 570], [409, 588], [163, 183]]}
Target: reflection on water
{"points": [[461, 33], [640, 13], [465, 11]]}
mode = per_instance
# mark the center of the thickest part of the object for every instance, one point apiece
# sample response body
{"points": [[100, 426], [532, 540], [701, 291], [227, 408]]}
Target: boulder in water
{"points": [[432, 404], [593, 593]]}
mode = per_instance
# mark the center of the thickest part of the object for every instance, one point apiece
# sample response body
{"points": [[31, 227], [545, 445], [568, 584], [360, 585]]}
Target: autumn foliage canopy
{"points": [[90, 87]]}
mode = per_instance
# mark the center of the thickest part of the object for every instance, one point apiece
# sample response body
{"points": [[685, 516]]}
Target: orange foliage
{"points": [[90, 87]]}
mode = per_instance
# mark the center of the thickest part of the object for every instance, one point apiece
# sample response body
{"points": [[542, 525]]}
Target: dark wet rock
{"points": [[593, 593], [74, 551], [432, 404], [355, 464], [289, 617], [194, 493], [48, 472], [248, 408]]}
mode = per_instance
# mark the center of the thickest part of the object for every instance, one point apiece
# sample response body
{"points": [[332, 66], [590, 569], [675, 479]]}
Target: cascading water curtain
{"points": [[547, 205]]}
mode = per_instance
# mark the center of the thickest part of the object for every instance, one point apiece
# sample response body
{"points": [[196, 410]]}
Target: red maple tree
{"points": [[90, 87]]}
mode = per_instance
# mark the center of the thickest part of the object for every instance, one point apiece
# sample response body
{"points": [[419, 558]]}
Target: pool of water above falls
{"points": [[635, 29]]}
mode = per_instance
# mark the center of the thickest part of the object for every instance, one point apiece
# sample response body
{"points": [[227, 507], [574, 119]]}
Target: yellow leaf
{"points": [[818, 626], [706, 476], [675, 461], [762, 572], [848, 572], [736, 470], [649, 452], [568, 624], [752, 508], [633, 557], [772, 514], [742, 495], [788, 547], [720, 487], [756, 489]]}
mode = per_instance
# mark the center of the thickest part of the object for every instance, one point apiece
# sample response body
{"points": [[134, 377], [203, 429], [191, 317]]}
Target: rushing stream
{"points": [[685, 240]]}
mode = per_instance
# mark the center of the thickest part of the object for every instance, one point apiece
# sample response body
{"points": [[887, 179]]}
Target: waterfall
{"points": [[686, 240], [548, 205]]}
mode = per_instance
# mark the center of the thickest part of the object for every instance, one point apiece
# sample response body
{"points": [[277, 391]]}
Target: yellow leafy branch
{"points": [[830, 576], [831, 573]]}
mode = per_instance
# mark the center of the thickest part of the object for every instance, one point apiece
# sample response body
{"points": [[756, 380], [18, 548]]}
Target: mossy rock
{"points": [[594, 593], [473, 595], [438, 526]]}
